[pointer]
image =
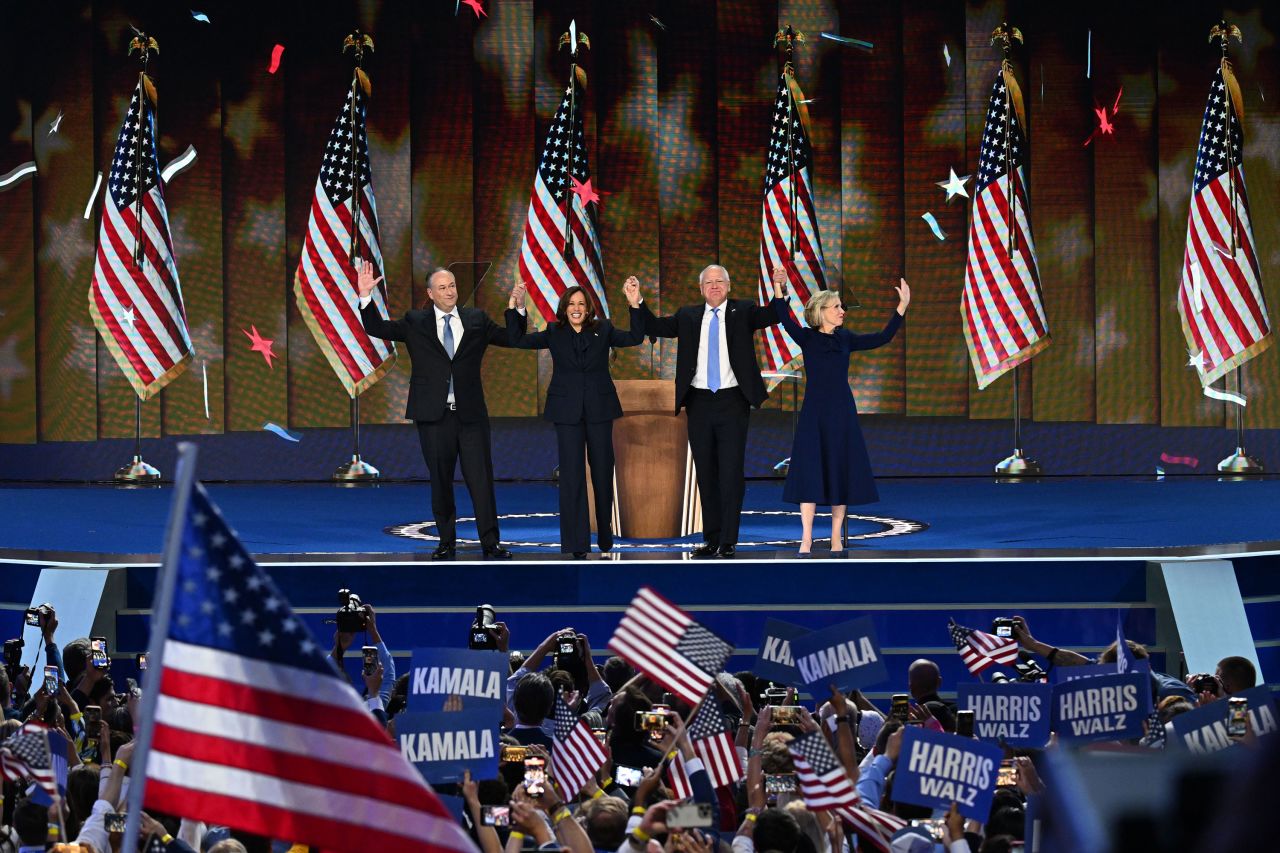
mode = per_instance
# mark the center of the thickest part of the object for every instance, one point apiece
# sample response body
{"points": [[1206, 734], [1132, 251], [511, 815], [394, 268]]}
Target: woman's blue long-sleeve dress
{"points": [[829, 462]]}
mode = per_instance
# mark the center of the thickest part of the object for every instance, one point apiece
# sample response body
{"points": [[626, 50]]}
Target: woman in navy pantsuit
{"points": [[829, 462], [583, 404]]}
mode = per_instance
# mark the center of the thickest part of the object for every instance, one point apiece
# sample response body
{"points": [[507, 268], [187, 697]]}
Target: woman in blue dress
{"points": [[829, 462]]}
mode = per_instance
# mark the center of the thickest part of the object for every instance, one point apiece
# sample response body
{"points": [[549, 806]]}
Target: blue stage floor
{"points": [[957, 515]]}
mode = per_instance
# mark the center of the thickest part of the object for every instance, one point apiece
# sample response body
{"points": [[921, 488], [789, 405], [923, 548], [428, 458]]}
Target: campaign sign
{"points": [[1204, 730], [442, 744], [937, 769], [774, 662], [845, 655], [1063, 674], [1014, 713], [1105, 707], [464, 678]]}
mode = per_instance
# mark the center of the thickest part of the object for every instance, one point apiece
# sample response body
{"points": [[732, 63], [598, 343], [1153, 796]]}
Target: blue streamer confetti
{"points": [[281, 431], [933, 223], [200, 16], [865, 45]]}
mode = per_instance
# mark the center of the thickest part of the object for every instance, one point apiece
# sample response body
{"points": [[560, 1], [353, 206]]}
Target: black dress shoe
{"points": [[497, 552], [706, 549], [579, 555], [728, 551], [444, 552]]}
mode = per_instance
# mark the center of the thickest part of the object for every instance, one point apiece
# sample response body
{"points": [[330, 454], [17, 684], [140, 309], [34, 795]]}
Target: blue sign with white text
{"points": [[845, 655], [1014, 713], [1204, 730], [774, 661], [937, 769], [458, 679], [1105, 707], [443, 744], [1062, 674]]}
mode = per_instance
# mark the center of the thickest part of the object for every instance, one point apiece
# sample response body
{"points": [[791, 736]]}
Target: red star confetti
{"points": [[1104, 119], [1189, 461], [275, 58], [260, 344], [475, 6], [585, 192]]}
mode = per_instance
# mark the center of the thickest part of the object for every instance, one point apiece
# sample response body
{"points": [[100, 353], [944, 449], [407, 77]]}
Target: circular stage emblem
{"points": [[761, 523]]}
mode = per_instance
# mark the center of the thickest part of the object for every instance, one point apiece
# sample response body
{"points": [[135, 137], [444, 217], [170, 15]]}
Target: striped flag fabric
{"points": [[789, 218], [874, 826], [822, 779], [25, 755], [324, 285], [1220, 298], [980, 650], [711, 736], [666, 644], [253, 727], [547, 265], [1001, 306], [135, 297], [576, 754]]}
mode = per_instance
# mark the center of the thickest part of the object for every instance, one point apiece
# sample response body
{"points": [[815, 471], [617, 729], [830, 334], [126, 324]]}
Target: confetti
{"points": [[1189, 461], [584, 191], [204, 371], [200, 16], [865, 45], [946, 54], [130, 318], [1224, 396], [275, 58], [1104, 121], [933, 223], [475, 6], [658, 23], [1196, 360], [260, 344], [1088, 62], [17, 175], [57, 122], [88, 208], [954, 185], [179, 164], [1197, 294], [1159, 473], [281, 431]]}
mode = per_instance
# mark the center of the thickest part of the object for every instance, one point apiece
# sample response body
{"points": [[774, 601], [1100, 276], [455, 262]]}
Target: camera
{"points": [[567, 643], [964, 723], [495, 815], [51, 681], [652, 721], [483, 635], [142, 661], [627, 777], [370, 660], [689, 816], [351, 616], [13, 653], [92, 720], [98, 650], [775, 695], [1237, 716], [115, 821], [936, 827], [514, 754], [1002, 627], [1206, 683], [786, 715], [900, 709], [37, 615], [1007, 774], [780, 783], [535, 776]]}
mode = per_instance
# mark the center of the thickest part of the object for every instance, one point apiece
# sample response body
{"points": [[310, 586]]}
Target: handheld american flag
{"points": [[664, 643], [544, 262], [1003, 313], [872, 825], [250, 725], [324, 285], [576, 754], [788, 218], [980, 650], [711, 736], [823, 781], [25, 755], [135, 297], [1220, 299]]}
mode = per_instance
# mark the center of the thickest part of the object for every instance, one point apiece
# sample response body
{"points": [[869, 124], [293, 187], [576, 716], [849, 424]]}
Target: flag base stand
{"points": [[137, 471], [1240, 464], [1018, 466], [356, 471]]}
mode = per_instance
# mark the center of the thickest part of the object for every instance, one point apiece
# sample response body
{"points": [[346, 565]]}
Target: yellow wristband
{"points": [[166, 838], [640, 835], [638, 810], [53, 831], [78, 715], [121, 765], [751, 818], [559, 816], [606, 783], [598, 794], [519, 836], [671, 756]]}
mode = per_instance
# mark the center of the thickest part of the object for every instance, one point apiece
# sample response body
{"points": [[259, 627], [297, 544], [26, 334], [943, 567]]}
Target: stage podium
{"points": [[656, 495]]}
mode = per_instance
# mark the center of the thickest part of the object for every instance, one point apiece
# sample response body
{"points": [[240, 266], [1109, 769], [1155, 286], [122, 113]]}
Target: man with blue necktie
{"points": [[717, 383]]}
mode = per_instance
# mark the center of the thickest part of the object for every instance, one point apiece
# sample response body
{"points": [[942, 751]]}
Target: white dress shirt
{"points": [[727, 379]]}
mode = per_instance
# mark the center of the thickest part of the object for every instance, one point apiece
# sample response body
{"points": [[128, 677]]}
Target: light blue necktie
{"points": [[713, 352], [449, 345]]}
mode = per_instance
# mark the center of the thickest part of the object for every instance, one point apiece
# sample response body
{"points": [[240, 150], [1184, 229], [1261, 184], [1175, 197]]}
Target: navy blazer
{"points": [[429, 380], [581, 388], [742, 319]]}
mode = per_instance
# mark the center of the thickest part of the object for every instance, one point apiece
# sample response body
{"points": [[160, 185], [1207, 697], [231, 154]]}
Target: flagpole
{"points": [[138, 471], [1017, 465], [161, 610], [1239, 463], [571, 39], [788, 38], [356, 469]]}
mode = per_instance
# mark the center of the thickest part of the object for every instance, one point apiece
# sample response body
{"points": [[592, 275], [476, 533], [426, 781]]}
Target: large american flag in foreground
{"points": [[711, 736], [325, 283], [576, 754], [1220, 300], [545, 265], [25, 755], [787, 168], [1002, 310], [822, 779], [137, 307], [980, 650], [253, 726], [664, 643]]}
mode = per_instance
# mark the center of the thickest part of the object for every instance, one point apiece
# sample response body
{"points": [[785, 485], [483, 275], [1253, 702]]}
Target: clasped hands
{"points": [[630, 289]]}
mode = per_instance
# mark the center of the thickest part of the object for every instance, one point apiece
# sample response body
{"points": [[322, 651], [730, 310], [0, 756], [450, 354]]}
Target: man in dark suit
{"points": [[446, 399], [718, 383]]}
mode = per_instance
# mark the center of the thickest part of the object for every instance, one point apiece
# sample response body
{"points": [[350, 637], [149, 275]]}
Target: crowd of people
{"points": [[631, 805]]}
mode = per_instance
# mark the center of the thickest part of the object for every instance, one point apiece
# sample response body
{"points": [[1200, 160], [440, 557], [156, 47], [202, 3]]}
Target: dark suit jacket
{"points": [[742, 319], [429, 381], [581, 387]]}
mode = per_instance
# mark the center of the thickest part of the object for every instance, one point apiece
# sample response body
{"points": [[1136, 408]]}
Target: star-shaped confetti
{"points": [[583, 190], [129, 318], [1105, 127], [260, 344], [57, 122], [475, 6], [1197, 361], [955, 185]]}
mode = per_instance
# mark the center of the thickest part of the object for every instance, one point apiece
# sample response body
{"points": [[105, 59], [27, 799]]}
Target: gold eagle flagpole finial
{"points": [[356, 42], [145, 45], [574, 41]]}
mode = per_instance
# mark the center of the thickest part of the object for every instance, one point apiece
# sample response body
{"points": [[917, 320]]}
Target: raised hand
{"points": [[365, 282], [904, 296], [780, 282], [517, 295], [631, 289]]}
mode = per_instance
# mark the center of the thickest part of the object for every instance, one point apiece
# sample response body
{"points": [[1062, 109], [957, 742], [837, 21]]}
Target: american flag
{"points": [[823, 781], [576, 754], [253, 726], [664, 643], [980, 650], [787, 177], [25, 755], [544, 263], [325, 283], [137, 307], [872, 825], [711, 735], [1220, 299], [1004, 320]]}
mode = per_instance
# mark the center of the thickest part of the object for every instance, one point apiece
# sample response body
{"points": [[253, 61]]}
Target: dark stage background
{"points": [[677, 120]]}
